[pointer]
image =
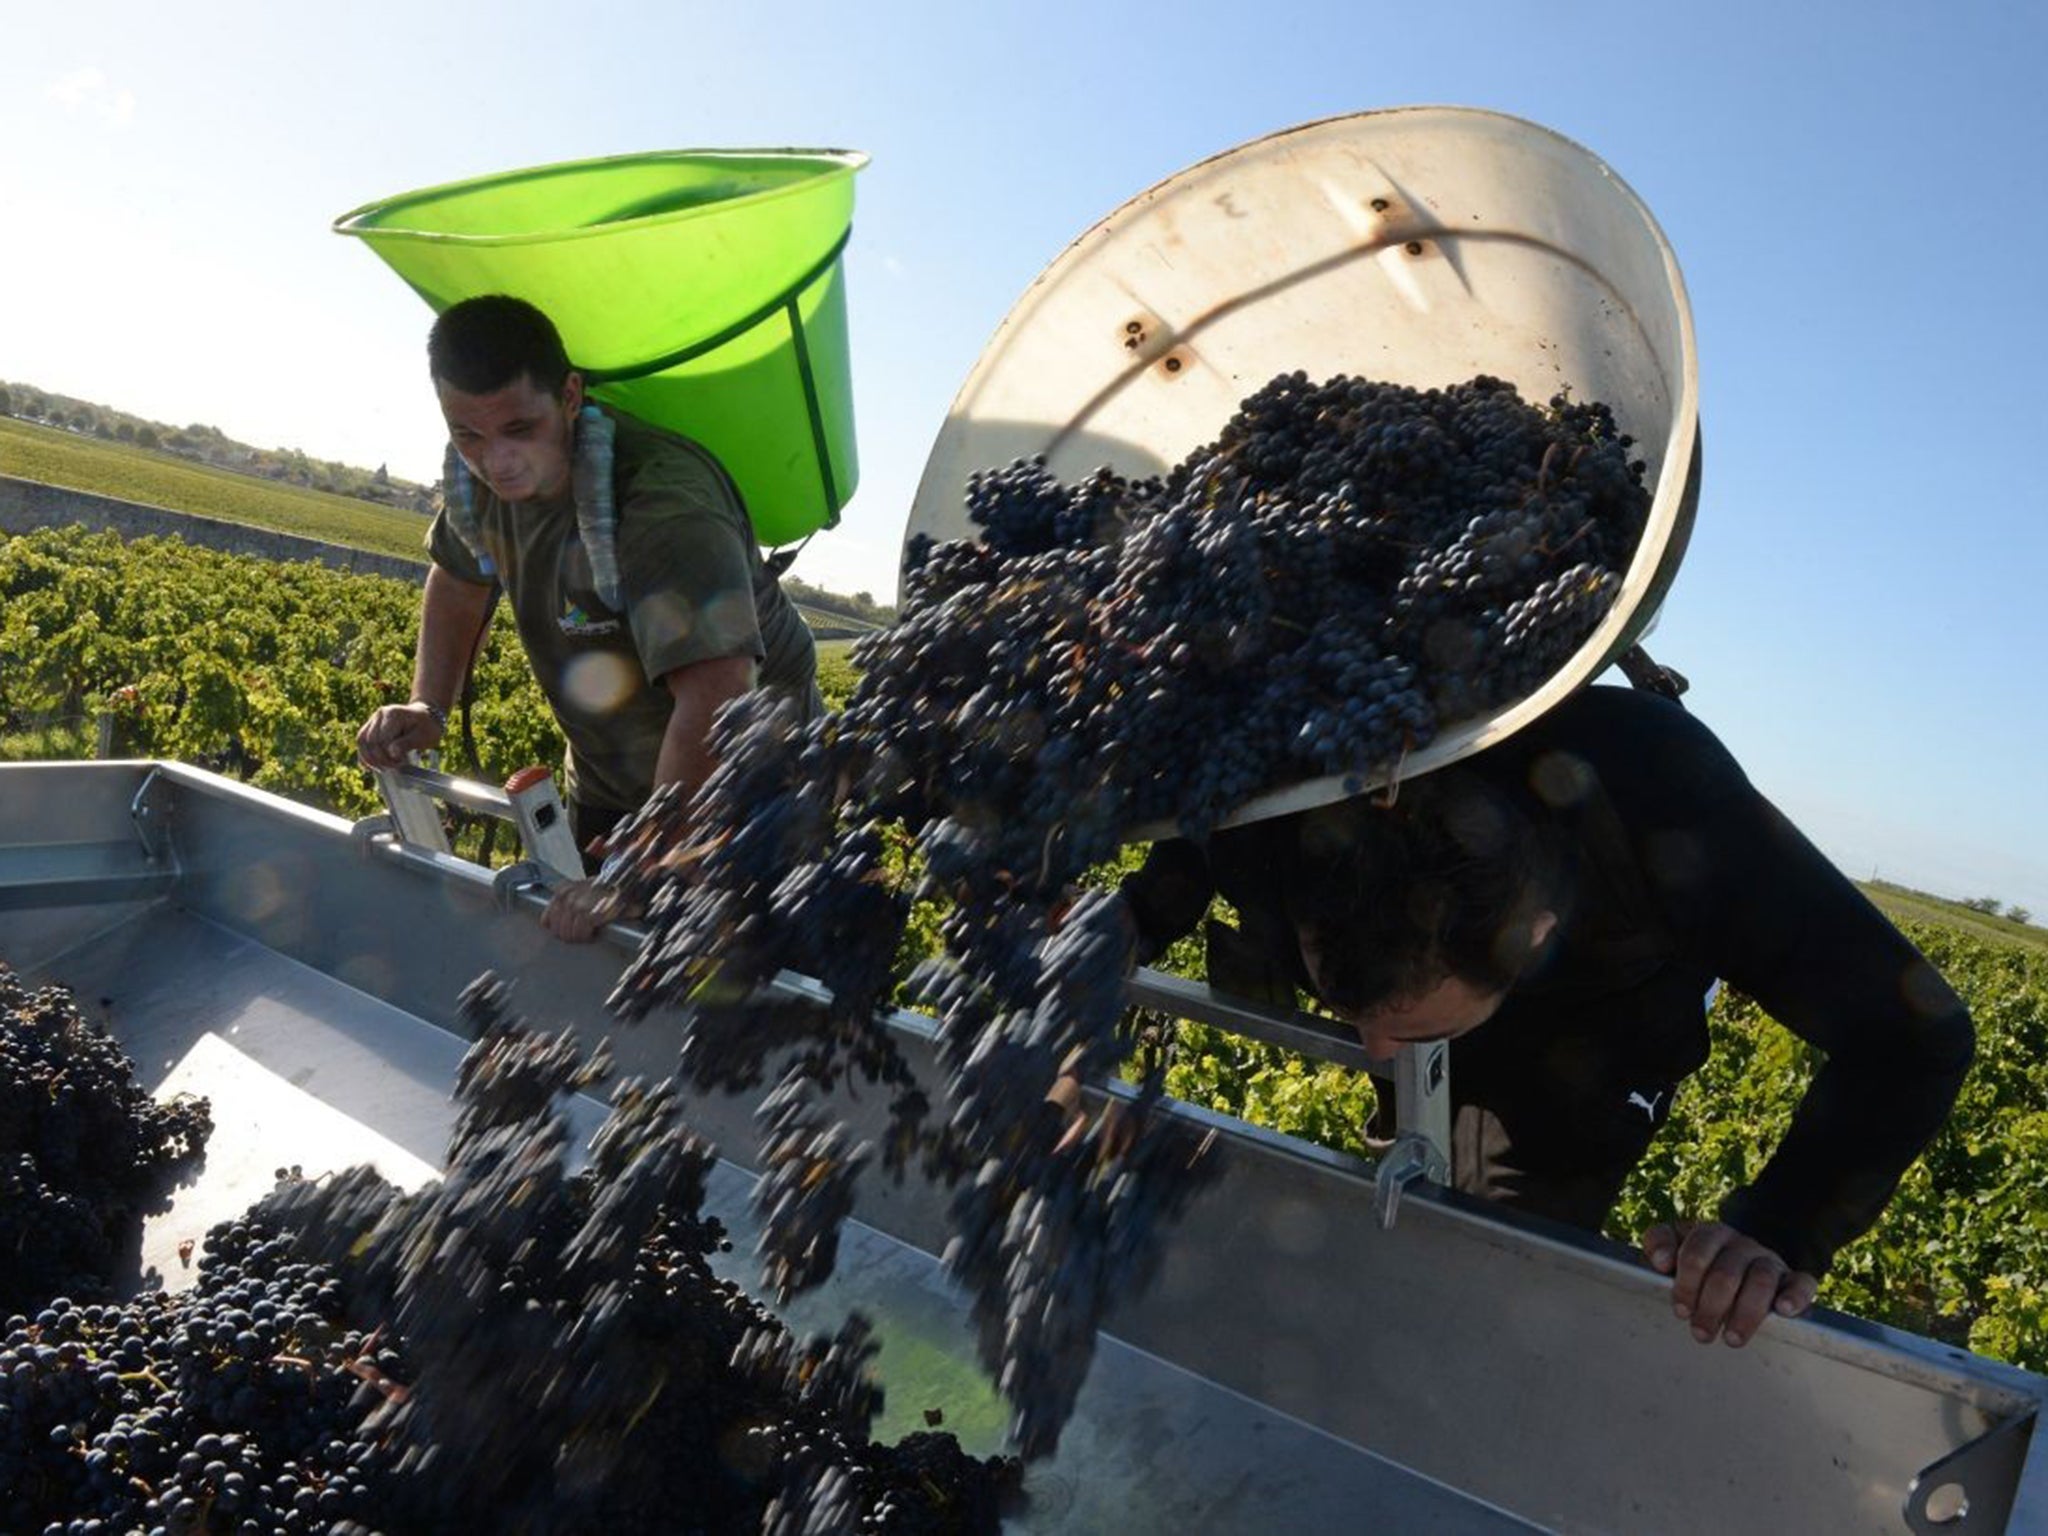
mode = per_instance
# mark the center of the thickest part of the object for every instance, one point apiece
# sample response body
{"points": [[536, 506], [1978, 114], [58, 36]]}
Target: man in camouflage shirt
{"points": [[700, 617]]}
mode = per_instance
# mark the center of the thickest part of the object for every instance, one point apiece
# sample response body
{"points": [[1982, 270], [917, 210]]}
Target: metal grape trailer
{"points": [[1298, 1366], [1331, 1345]]}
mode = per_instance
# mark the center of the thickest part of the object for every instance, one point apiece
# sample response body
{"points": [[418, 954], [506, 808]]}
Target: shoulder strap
{"points": [[458, 500], [597, 511], [597, 507]]}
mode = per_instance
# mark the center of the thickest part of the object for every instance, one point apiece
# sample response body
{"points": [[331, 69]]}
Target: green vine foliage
{"points": [[836, 675], [1961, 1253], [251, 667], [265, 671]]}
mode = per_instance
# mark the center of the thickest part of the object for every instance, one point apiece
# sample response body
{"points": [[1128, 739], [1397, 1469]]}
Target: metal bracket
{"points": [[1973, 1485], [1410, 1158], [1421, 1074], [415, 814], [1422, 1095], [543, 823], [1422, 1116], [150, 812], [367, 829]]}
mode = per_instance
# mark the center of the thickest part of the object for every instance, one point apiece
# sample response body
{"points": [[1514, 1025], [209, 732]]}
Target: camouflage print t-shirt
{"points": [[695, 589]]}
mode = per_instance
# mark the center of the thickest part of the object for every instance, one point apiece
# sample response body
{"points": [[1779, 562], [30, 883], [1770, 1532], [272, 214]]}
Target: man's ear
{"points": [[1541, 927], [572, 391]]}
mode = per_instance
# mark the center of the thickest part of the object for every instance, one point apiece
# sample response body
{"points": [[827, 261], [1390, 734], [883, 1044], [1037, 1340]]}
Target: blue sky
{"points": [[1855, 194]]}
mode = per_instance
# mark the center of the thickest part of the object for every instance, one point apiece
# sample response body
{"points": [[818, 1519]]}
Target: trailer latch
{"points": [[1412, 1156]]}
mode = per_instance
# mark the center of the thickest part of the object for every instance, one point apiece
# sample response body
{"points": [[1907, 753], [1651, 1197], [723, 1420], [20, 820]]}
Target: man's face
{"points": [[1444, 1010], [518, 440], [1454, 1006]]}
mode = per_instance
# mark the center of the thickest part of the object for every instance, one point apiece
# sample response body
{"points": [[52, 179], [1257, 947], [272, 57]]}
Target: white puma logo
{"points": [[1647, 1106]]}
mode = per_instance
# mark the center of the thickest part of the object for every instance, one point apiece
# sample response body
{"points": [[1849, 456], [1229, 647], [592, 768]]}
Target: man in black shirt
{"points": [[1576, 890]]}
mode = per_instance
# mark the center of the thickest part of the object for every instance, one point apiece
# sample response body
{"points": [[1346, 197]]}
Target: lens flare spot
{"points": [[1297, 1229], [666, 611], [730, 613], [261, 893], [1561, 779], [600, 683], [371, 973], [1925, 992], [1676, 860]]}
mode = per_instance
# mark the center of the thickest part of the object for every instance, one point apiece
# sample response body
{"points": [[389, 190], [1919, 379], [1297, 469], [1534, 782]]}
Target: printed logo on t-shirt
{"points": [[581, 614], [575, 621]]}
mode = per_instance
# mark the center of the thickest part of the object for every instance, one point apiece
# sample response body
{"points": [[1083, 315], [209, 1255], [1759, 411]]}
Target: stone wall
{"points": [[26, 505]]}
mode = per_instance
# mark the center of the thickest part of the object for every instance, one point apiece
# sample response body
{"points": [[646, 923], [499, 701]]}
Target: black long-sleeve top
{"points": [[1673, 870]]}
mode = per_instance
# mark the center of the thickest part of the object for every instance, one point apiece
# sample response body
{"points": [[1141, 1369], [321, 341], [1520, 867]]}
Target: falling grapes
{"points": [[1347, 569], [515, 1348]]}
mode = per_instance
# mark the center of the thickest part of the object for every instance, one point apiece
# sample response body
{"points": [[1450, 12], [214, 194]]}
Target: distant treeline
{"points": [[861, 605], [202, 444], [209, 445]]}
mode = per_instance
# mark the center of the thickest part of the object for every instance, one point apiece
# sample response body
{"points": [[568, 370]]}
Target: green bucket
{"points": [[700, 290]]}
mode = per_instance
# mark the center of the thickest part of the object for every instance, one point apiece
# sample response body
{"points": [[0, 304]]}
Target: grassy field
{"points": [[160, 480], [823, 620], [1904, 905]]}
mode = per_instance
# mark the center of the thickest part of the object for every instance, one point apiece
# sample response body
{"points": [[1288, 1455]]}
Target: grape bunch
{"points": [[1346, 569], [516, 1348], [1055, 1219], [235, 1407], [84, 1151], [578, 1365]]}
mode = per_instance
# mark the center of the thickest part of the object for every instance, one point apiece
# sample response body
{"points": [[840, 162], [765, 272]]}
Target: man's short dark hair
{"points": [[1445, 882], [485, 344]]}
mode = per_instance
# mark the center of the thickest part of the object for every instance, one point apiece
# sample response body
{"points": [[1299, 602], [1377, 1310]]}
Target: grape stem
{"points": [[1045, 859], [1393, 793]]}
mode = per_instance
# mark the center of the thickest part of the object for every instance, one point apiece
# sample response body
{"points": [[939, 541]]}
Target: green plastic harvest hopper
{"points": [[700, 290]]}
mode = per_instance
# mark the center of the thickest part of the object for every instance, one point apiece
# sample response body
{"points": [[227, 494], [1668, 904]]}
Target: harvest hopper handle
{"points": [[413, 798]]}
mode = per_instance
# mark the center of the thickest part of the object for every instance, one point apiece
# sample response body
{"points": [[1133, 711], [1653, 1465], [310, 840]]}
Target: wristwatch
{"points": [[440, 715]]}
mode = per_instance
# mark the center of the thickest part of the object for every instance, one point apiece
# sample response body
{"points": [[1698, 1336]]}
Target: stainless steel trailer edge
{"points": [[1294, 1369]]}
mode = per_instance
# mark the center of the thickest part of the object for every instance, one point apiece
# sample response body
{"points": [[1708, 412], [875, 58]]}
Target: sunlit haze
{"points": [[1852, 191]]}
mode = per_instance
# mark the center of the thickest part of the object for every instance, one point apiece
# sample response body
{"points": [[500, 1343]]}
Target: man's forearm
{"points": [[699, 691], [451, 617], [1858, 1129], [1825, 963], [685, 748], [1167, 895]]}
